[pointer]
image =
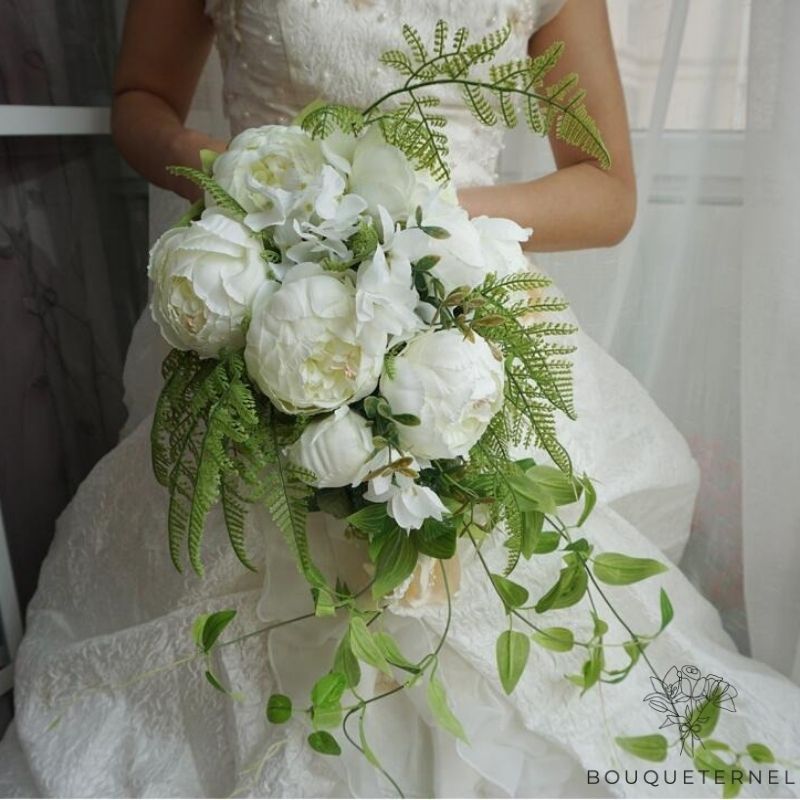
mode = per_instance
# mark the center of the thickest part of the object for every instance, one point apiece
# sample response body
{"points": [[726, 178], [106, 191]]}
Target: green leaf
{"points": [[650, 748], [207, 159], [618, 569], [436, 539], [667, 612], [708, 760], [214, 681], [328, 690], [323, 742], [546, 542], [391, 652], [562, 488], [530, 496], [760, 753], [531, 531], [435, 232], [512, 650], [373, 519], [279, 709], [207, 628], [568, 590], [344, 661], [561, 640], [592, 668], [714, 744], [396, 561], [704, 718], [409, 420], [437, 702], [426, 263], [589, 499], [364, 646], [512, 594]]}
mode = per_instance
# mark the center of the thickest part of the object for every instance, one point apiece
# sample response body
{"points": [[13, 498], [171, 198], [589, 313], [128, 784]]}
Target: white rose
{"points": [[453, 385], [385, 296], [461, 256], [205, 278], [303, 349], [264, 169], [501, 240], [335, 449]]}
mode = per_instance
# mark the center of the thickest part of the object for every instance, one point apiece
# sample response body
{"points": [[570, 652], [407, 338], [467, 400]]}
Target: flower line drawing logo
{"points": [[691, 701]]}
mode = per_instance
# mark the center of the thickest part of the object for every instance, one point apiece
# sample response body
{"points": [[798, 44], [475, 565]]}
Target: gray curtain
{"points": [[73, 246]]}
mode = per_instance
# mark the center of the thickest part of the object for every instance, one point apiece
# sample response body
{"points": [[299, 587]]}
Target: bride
{"points": [[106, 705]]}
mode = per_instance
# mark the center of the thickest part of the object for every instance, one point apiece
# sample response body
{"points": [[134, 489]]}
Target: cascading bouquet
{"points": [[347, 340]]}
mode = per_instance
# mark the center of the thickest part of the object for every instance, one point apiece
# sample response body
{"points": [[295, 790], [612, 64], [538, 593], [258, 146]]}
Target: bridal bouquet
{"points": [[348, 340]]}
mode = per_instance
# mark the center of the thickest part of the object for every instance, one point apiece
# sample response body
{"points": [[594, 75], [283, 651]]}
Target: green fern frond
{"points": [[208, 184], [323, 120], [415, 44], [477, 103], [440, 37], [397, 60]]}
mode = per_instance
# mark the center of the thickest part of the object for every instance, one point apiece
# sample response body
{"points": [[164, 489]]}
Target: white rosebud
{"points": [[335, 449], [303, 349], [267, 171], [205, 277], [452, 385]]}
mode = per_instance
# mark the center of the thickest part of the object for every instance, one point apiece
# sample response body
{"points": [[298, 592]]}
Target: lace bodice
{"points": [[278, 55]]}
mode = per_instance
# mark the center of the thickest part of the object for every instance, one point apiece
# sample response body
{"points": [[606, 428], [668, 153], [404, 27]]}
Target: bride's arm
{"points": [[580, 205], [164, 47]]}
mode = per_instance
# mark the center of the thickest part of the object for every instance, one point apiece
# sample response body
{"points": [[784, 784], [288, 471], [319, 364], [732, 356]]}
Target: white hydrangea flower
{"points": [[454, 386], [303, 349], [385, 296], [205, 277]]}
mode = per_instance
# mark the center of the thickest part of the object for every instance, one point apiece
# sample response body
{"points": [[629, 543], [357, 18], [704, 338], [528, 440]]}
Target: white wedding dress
{"points": [[111, 612]]}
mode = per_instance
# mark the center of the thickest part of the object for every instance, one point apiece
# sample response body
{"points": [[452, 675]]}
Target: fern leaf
{"points": [[397, 60], [440, 37], [477, 103], [208, 184], [414, 41]]}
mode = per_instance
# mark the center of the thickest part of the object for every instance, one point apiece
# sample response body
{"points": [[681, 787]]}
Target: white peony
{"points": [[266, 169], [407, 502], [335, 449], [303, 349], [205, 277], [501, 241], [385, 296], [453, 385]]}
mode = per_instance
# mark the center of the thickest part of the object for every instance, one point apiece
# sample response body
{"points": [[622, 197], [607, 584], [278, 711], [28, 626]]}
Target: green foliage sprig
{"points": [[415, 123]]}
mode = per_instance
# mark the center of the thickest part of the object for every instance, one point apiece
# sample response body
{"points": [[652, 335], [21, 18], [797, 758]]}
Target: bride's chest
{"points": [[292, 51]]}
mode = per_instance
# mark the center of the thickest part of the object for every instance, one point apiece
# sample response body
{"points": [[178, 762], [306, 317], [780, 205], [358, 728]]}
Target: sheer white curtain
{"points": [[770, 377], [697, 302]]}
